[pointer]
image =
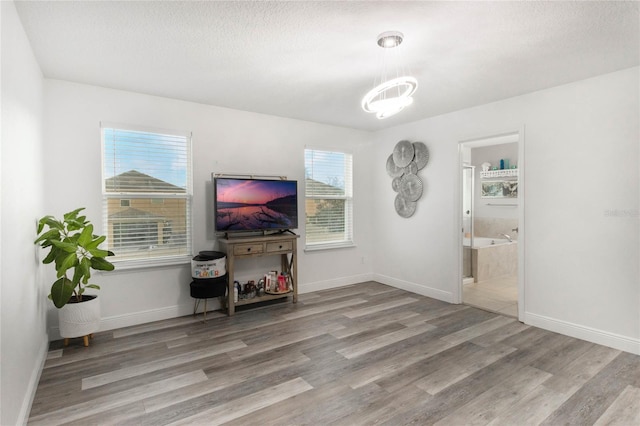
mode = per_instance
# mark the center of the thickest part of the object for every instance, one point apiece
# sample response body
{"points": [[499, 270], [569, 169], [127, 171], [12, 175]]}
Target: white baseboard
{"points": [[434, 293], [30, 394], [138, 318], [589, 334], [143, 317], [329, 284]]}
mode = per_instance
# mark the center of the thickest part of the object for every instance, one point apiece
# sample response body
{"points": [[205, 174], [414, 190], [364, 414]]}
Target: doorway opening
{"points": [[491, 221]]}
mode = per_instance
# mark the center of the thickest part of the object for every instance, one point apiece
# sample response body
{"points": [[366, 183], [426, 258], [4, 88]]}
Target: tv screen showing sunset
{"points": [[255, 204]]}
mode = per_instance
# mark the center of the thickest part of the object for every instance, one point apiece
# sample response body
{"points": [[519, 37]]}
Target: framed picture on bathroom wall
{"points": [[500, 189]]}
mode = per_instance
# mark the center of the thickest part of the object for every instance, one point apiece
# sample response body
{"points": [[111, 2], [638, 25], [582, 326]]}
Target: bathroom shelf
{"points": [[499, 173]]}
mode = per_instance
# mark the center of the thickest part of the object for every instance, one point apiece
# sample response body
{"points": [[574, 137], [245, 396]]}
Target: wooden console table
{"points": [[277, 244]]}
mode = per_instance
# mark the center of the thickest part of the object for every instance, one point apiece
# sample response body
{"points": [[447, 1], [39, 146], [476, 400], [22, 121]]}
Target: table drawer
{"points": [[279, 246], [240, 249]]}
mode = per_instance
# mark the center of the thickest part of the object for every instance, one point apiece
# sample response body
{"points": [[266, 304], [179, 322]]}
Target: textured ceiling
{"points": [[315, 60]]}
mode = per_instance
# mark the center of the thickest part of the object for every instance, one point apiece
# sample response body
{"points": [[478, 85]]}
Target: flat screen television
{"points": [[255, 204]]}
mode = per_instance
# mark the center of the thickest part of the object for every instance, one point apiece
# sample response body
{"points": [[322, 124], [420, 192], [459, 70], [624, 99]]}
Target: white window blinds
{"points": [[147, 188], [328, 198]]}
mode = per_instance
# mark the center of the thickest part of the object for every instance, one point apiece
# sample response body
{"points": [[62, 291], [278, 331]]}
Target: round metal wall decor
{"points": [[393, 170], [405, 208], [411, 187], [411, 169], [403, 153], [395, 183], [421, 154], [403, 166]]}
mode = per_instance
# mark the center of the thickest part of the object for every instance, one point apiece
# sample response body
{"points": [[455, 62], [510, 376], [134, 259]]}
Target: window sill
{"points": [[126, 265], [329, 246]]}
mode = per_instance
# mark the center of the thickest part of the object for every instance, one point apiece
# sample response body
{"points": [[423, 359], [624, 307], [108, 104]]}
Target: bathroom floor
{"points": [[498, 295]]}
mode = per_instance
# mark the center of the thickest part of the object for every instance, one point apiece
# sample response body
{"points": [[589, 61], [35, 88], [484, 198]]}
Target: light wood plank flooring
{"points": [[499, 295], [358, 355]]}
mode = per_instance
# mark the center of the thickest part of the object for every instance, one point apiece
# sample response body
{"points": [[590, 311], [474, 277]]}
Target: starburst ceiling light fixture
{"points": [[391, 95]]}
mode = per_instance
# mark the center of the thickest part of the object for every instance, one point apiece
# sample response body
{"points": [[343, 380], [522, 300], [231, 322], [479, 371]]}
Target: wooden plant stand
{"points": [[85, 340]]}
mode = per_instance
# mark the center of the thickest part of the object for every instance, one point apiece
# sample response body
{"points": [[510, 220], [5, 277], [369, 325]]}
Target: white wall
{"points": [[224, 140], [582, 197], [23, 295]]}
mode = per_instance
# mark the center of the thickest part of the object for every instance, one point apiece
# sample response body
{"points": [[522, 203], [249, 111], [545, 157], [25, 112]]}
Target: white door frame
{"points": [[494, 139]]}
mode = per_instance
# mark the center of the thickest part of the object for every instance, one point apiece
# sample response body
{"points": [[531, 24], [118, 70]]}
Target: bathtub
{"points": [[491, 258], [480, 242]]}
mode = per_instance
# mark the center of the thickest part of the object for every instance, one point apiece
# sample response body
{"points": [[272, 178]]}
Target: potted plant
{"points": [[75, 252]]}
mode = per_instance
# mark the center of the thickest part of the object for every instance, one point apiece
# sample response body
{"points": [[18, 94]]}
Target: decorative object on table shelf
{"points": [[250, 290], [403, 166], [236, 291], [282, 283], [278, 283], [500, 189], [74, 248], [486, 167], [271, 282]]}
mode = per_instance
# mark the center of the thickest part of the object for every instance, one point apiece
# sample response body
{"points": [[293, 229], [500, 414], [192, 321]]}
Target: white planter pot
{"points": [[79, 319]]}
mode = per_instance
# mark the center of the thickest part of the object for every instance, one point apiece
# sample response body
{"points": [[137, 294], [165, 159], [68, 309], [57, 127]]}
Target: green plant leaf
{"points": [[51, 222], [86, 236], [60, 257], [95, 243], [97, 287], [74, 225], [77, 274], [82, 271], [51, 256], [66, 246], [50, 234], [61, 292], [72, 214], [99, 253], [85, 267], [69, 262], [101, 264]]}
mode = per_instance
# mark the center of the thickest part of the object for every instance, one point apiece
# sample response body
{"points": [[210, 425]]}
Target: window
{"points": [[147, 191], [328, 199]]}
